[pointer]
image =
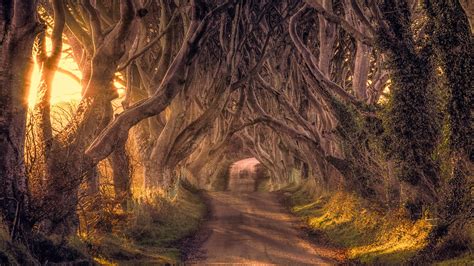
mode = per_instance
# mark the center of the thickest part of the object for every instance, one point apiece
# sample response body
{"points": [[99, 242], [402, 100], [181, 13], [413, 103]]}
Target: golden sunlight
{"points": [[65, 88]]}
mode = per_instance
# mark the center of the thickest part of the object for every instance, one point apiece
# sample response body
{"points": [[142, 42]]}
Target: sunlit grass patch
{"points": [[150, 232], [368, 235], [397, 240], [104, 262]]}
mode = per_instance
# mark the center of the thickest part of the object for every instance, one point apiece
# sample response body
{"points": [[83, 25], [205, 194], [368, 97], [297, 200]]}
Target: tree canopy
{"points": [[371, 97]]}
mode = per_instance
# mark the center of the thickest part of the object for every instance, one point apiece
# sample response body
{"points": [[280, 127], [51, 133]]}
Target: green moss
{"points": [[452, 39], [354, 134], [412, 121]]}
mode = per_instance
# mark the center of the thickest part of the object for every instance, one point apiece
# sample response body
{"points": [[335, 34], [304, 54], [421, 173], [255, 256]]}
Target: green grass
{"points": [[368, 236], [148, 234], [152, 232]]}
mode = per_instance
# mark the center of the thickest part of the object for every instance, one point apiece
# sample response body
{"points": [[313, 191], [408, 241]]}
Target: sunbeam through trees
{"points": [[288, 132]]}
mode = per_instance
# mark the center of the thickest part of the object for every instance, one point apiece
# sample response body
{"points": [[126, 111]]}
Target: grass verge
{"points": [[368, 235], [151, 231]]}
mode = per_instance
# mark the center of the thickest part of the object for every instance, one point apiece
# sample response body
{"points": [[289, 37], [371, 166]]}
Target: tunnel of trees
{"points": [[368, 97]]}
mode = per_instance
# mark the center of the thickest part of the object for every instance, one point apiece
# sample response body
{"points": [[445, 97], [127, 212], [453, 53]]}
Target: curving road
{"points": [[253, 228]]}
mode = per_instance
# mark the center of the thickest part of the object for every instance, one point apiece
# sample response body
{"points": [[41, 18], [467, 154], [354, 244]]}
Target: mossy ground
{"points": [[370, 236]]}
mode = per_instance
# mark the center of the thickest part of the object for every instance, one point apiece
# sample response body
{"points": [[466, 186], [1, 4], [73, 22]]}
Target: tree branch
{"points": [[148, 46], [311, 62], [57, 35], [117, 132], [356, 34], [96, 28]]}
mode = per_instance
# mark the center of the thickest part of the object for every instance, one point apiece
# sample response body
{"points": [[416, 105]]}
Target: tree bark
{"points": [[19, 29], [361, 71], [42, 109], [162, 149], [119, 160], [70, 167]]}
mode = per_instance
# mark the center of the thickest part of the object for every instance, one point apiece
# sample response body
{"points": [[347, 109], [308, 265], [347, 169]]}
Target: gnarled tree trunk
{"points": [[18, 29]]}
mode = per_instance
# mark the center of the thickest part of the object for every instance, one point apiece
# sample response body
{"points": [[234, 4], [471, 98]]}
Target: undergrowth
{"points": [[150, 231], [12, 253], [370, 236], [38, 249]]}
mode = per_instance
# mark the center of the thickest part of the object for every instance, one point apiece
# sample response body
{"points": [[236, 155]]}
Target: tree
{"points": [[452, 41], [68, 165], [19, 26], [42, 110]]}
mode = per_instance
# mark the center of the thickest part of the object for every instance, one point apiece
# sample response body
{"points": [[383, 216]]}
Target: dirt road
{"points": [[254, 228]]}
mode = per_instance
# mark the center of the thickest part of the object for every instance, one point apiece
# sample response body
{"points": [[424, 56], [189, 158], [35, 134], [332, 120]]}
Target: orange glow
{"points": [[65, 88]]}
